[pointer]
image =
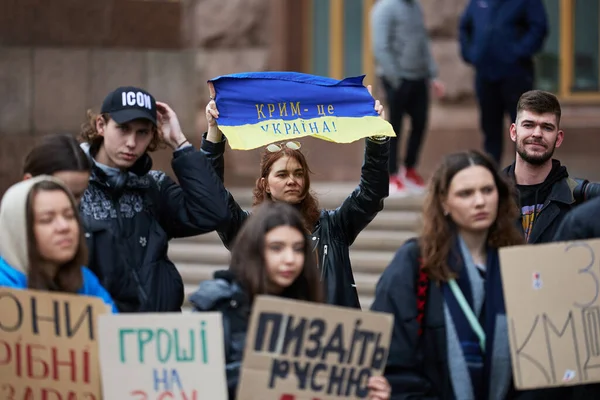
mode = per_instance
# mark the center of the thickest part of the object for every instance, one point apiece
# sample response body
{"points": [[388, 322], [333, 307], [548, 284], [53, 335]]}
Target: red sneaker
{"points": [[397, 187], [413, 180]]}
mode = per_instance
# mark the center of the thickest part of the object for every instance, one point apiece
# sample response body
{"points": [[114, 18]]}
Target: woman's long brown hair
{"points": [[309, 206], [248, 254], [438, 231], [68, 277]]}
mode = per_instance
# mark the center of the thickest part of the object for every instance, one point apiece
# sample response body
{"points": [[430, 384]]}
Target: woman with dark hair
{"points": [[285, 177], [41, 241], [450, 338], [61, 157], [271, 255]]}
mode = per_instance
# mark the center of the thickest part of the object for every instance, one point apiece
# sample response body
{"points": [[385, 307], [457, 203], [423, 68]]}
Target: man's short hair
{"points": [[539, 102]]}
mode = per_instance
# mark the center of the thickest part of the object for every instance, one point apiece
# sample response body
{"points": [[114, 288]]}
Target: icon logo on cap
{"points": [[136, 98]]}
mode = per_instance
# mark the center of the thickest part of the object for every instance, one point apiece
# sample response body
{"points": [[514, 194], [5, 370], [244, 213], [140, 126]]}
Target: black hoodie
{"points": [[554, 192]]}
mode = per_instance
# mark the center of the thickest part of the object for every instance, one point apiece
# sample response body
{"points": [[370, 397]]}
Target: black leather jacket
{"points": [[336, 229]]}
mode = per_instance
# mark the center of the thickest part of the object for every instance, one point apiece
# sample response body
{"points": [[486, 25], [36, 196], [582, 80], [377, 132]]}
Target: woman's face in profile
{"points": [[284, 257], [472, 200], [55, 226]]}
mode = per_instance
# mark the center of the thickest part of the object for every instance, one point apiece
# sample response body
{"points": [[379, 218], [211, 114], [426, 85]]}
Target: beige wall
{"points": [[59, 58]]}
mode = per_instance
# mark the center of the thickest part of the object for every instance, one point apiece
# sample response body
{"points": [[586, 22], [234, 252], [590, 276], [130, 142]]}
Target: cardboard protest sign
{"points": [[298, 350], [553, 309], [163, 356], [48, 345]]}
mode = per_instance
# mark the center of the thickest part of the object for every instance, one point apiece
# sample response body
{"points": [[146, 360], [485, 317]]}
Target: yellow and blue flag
{"points": [[259, 108]]}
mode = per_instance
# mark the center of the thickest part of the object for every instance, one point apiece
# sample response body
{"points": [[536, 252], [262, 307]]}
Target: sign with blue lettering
{"points": [[162, 356], [300, 350]]}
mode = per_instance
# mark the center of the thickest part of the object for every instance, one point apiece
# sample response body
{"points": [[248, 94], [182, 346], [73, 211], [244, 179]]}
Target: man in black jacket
{"points": [[130, 212], [544, 187], [581, 224]]}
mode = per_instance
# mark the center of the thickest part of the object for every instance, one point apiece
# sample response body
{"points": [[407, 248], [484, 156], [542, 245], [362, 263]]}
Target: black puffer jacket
{"points": [[223, 294], [130, 219], [336, 229]]}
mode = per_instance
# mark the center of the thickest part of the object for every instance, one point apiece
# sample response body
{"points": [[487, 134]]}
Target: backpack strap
{"points": [[422, 288]]}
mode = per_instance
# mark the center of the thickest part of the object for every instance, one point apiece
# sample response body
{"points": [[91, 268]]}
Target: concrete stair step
{"points": [[374, 240], [366, 301], [365, 283], [198, 253], [372, 262], [396, 220], [193, 273]]}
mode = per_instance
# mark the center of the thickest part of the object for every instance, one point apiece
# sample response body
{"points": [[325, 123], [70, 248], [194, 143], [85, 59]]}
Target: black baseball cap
{"points": [[127, 103]]}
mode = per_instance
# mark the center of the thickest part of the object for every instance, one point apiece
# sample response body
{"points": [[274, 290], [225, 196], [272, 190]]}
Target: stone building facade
{"points": [[60, 58]]}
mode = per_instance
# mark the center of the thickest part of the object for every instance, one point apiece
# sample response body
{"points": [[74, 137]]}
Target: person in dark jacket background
{"points": [[271, 255], [131, 212], [582, 223], [284, 176], [61, 157], [435, 353], [499, 39]]}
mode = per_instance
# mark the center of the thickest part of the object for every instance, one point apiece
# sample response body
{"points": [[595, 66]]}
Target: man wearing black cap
{"points": [[130, 212]]}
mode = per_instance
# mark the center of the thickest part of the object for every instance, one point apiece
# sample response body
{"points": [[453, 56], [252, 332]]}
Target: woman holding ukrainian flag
{"points": [[258, 109]]}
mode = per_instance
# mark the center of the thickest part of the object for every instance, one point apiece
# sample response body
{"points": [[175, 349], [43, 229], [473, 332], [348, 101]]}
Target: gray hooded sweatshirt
{"points": [[401, 42]]}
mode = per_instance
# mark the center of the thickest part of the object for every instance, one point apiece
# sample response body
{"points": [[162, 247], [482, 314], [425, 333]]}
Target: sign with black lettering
{"points": [[300, 350], [48, 345], [552, 295], [163, 355]]}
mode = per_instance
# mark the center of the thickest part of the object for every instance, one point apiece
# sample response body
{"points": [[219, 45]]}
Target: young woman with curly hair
{"points": [[284, 176]]}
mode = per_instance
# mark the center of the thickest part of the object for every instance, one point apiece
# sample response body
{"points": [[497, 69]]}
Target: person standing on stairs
{"points": [[499, 39], [407, 70], [130, 212], [284, 176]]}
